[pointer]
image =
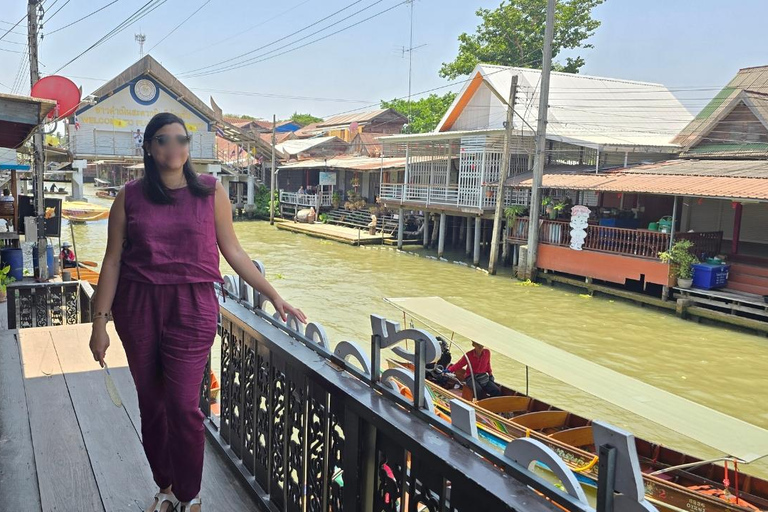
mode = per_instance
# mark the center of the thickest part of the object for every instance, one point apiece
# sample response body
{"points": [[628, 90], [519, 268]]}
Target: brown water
{"points": [[340, 286]]}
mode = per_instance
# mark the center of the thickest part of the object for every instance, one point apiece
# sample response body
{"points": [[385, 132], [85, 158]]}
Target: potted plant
{"points": [[5, 279], [681, 261], [336, 199], [557, 208], [512, 213]]}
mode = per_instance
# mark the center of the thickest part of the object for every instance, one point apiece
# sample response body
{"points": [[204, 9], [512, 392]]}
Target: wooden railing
{"points": [[640, 243]]}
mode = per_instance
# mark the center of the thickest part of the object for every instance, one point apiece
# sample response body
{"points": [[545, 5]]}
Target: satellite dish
{"points": [[61, 90]]}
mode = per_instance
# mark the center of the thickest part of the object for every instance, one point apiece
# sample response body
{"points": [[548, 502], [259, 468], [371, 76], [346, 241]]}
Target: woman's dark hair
{"points": [[153, 186]]}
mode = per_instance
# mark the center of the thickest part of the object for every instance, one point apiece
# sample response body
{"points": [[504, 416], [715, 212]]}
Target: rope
{"points": [[587, 466]]}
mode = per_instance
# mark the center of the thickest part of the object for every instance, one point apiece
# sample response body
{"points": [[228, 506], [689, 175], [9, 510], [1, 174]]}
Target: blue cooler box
{"points": [[708, 276]]}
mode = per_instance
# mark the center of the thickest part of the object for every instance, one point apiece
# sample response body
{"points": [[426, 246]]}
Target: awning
{"points": [[731, 436], [349, 163], [19, 117]]}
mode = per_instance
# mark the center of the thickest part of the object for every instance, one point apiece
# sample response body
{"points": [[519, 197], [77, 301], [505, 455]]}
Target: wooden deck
{"points": [[342, 234], [64, 445]]}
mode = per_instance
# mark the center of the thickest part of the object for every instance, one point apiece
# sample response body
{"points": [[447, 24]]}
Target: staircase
{"points": [[749, 277]]}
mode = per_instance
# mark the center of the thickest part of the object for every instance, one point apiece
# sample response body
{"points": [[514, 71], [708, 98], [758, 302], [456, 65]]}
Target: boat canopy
{"points": [[731, 436]]}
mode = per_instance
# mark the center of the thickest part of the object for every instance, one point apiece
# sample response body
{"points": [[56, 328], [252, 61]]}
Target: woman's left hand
{"points": [[285, 309]]}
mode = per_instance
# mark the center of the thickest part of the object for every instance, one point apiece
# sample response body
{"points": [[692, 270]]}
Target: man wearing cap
{"points": [[67, 256]]}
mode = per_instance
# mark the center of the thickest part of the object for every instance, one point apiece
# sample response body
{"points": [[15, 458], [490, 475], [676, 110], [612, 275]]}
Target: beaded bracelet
{"points": [[107, 316]]}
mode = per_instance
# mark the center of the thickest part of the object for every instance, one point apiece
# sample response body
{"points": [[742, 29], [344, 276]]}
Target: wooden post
{"points": [[435, 228], [425, 239], [441, 238], [273, 173], [503, 173], [478, 231], [454, 232], [400, 227], [462, 229], [738, 207], [469, 237], [541, 141]]}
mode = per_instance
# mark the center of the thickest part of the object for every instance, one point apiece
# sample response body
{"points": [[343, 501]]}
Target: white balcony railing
{"points": [[482, 197], [305, 199]]}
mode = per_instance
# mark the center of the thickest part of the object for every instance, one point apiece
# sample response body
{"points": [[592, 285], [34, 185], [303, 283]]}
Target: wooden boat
{"points": [[80, 211], [109, 193], [674, 481]]}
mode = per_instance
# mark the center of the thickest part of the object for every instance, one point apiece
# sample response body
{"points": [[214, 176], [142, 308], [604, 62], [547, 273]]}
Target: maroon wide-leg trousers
{"points": [[167, 331]]}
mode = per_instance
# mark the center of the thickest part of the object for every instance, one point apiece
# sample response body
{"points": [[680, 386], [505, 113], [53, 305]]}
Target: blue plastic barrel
{"points": [[35, 262], [15, 258]]}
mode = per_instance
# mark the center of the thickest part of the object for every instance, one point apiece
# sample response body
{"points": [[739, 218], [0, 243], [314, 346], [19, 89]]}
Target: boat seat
{"points": [[505, 404], [578, 436], [542, 420]]}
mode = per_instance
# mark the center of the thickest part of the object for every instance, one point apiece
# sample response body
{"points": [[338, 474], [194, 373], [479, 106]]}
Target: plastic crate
{"points": [[708, 276]]}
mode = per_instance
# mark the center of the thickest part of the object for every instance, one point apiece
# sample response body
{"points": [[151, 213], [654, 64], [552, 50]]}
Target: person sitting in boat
{"points": [[480, 380], [68, 259]]}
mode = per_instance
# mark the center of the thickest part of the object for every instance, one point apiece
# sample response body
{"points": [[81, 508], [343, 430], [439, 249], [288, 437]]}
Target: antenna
{"points": [[410, 62], [141, 39]]}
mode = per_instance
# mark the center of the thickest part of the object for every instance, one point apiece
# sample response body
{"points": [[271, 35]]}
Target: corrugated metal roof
{"points": [[353, 163], [360, 117], [680, 178], [586, 110]]}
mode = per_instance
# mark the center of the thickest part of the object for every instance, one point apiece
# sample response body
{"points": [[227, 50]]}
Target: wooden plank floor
{"points": [[76, 449], [334, 232]]}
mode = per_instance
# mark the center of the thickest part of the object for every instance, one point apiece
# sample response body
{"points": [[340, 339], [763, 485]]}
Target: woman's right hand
{"points": [[99, 342]]}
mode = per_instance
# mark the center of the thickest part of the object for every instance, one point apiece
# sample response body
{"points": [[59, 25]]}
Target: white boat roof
{"points": [[731, 436]]}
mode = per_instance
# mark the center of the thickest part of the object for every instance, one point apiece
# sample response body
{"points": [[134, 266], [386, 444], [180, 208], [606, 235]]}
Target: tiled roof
{"points": [[697, 178]]}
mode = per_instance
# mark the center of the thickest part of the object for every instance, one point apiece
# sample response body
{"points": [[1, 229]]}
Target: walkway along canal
{"points": [[339, 286]]}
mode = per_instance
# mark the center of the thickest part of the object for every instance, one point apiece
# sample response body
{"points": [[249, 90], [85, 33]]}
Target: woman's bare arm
{"points": [[240, 261]]}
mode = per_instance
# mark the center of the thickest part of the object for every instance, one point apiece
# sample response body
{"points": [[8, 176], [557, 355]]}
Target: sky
{"points": [[691, 46]]}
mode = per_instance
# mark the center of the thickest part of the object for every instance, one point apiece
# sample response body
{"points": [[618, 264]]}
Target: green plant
{"points": [[5, 279], [323, 218], [546, 201], [515, 211], [680, 259], [336, 199]]}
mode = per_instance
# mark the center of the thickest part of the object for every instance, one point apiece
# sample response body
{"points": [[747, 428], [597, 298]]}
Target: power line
{"points": [[84, 17], [13, 27], [140, 13], [275, 41], [265, 58], [58, 10], [180, 24], [264, 22]]}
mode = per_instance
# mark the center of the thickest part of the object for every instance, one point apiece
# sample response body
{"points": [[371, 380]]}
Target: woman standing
{"points": [[162, 258]]}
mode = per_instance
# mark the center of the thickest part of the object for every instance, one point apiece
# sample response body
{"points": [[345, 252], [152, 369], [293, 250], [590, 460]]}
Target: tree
{"points": [[425, 112], [305, 119], [513, 35], [244, 117]]}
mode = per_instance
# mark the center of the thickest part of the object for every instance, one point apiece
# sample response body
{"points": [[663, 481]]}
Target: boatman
{"points": [[480, 380], [68, 259]]}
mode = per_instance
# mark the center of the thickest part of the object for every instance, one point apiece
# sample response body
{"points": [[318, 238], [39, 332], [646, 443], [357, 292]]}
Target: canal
{"points": [[339, 286]]}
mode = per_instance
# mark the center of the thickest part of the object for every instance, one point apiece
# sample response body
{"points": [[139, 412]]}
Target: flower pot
{"points": [[552, 214], [684, 283]]}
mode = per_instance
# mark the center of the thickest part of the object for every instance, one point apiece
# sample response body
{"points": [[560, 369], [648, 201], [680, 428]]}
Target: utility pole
{"points": [[541, 143], [503, 174], [38, 156], [272, 174]]}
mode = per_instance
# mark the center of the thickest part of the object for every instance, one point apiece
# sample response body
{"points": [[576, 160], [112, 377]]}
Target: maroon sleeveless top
{"points": [[170, 243]]}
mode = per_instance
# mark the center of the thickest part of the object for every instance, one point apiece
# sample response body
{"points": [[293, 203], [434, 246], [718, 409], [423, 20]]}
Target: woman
{"points": [[68, 259], [157, 279]]}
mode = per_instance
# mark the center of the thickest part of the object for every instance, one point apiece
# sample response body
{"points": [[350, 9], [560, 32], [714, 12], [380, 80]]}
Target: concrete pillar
{"points": [[478, 232], [454, 232], [400, 227], [425, 241], [251, 190], [441, 239], [468, 240], [462, 228], [77, 179]]}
